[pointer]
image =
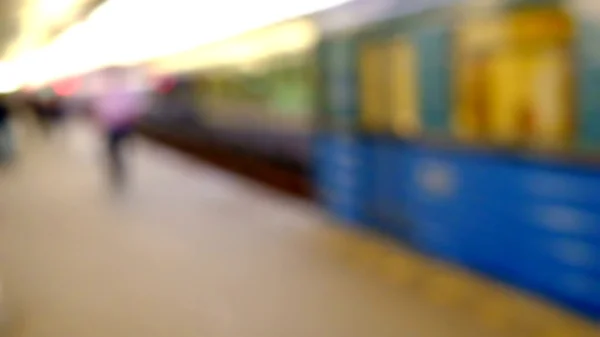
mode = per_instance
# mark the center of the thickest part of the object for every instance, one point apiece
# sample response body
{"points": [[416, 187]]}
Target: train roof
{"points": [[358, 13], [292, 36], [249, 49]]}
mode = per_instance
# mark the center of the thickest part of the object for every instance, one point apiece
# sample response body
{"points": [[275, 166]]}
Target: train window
{"points": [[554, 121], [256, 88], [200, 87], [339, 92], [374, 86], [513, 80], [301, 93], [473, 96], [291, 105], [404, 89]]}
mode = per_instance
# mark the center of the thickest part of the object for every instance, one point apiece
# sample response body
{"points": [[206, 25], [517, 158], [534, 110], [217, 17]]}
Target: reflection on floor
{"points": [[187, 251]]}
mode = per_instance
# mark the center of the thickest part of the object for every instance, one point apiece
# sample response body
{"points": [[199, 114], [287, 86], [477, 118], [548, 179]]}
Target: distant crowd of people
{"points": [[115, 109], [48, 112], [6, 139]]}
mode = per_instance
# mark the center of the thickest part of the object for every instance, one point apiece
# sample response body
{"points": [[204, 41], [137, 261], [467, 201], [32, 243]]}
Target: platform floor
{"points": [[187, 251]]}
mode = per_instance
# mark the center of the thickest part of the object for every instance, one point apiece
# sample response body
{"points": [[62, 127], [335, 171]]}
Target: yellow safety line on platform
{"points": [[495, 306]]}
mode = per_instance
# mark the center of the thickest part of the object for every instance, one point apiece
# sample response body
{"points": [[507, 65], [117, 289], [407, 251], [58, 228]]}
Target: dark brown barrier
{"points": [[241, 162]]}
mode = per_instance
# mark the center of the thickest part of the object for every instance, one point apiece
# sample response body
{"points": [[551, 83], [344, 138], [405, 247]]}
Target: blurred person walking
{"points": [[49, 113], [117, 109], [41, 115], [55, 111], [6, 137]]}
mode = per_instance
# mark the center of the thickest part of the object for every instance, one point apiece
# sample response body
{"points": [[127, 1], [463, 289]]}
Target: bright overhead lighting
{"points": [[131, 31], [56, 9], [248, 49]]}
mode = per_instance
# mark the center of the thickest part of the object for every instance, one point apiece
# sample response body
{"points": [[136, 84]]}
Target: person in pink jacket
{"points": [[117, 108]]}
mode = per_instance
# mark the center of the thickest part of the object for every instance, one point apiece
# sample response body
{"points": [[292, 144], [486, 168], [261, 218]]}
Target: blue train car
{"points": [[468, 134]]}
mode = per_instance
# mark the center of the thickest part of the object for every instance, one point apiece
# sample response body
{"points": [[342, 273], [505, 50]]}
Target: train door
{"points": [[389, 88], [389, 110], [403, 93], [374, 87]]}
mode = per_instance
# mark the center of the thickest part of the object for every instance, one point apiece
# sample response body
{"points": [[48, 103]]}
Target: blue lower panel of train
{"points": [[343, 176], [533, 224]]}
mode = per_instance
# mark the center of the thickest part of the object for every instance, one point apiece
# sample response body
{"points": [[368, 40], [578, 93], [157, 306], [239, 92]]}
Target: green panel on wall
{"points": [[337, 60], [588, 77], [521, 4], [433, 47]]}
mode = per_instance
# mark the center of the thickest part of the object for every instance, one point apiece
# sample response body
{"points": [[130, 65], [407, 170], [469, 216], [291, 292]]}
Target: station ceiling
{"points": [[29, 24]]}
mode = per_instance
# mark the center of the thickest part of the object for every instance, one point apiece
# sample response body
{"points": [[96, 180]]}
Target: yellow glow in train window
{"points": [[553, 118], [374, 86], [514, 87], [404, 89]]}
